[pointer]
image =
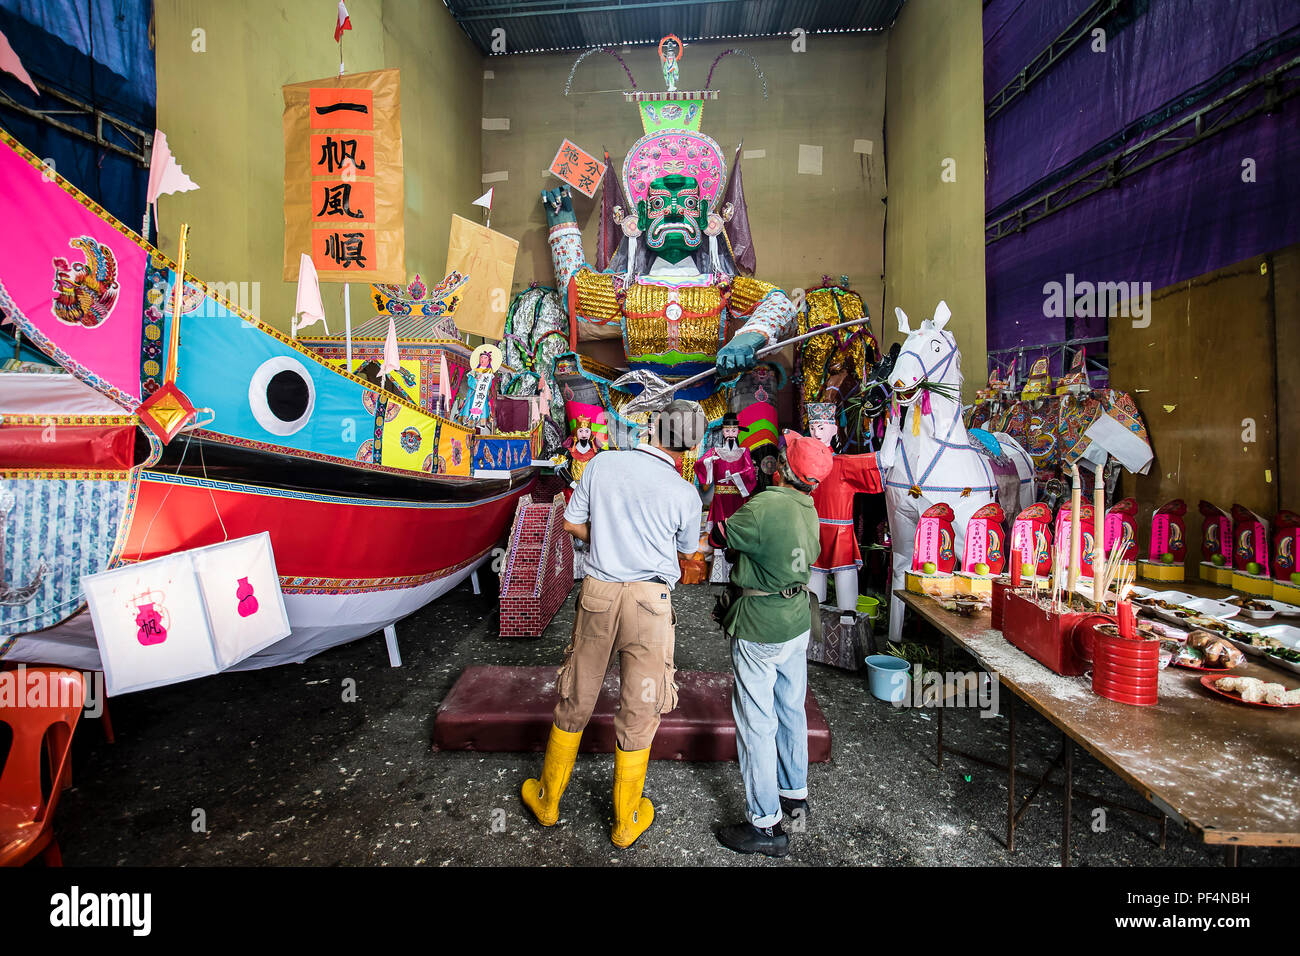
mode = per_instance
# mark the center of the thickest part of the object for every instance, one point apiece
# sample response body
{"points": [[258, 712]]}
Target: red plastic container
{"points": [[1126, 671], [998, 605], [1061, 641]]}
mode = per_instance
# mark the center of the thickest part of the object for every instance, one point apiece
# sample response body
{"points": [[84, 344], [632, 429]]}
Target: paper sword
{"points": [[656, 389]]}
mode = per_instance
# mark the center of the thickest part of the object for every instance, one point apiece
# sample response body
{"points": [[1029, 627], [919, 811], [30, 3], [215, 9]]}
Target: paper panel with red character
{"points": [[1087, 534], [985, 541], [1121, 529], [1031, 538], [1168, 534], [935, 550]]}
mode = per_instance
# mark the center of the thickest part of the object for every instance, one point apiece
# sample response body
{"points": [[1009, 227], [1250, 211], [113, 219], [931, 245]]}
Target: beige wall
{"points": [[221, 111], [934, 235], [804, 225]]}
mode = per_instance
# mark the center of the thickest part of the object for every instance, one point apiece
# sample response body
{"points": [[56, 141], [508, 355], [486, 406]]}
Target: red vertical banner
{"points": [[343, 178]]}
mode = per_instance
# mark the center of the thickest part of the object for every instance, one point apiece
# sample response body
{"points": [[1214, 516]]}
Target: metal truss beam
{"points": [[1077, 31], [105, 131], [1258, 96]]}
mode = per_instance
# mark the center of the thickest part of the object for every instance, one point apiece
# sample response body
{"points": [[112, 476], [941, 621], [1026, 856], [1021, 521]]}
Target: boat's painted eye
{"points": [[282, 395]]}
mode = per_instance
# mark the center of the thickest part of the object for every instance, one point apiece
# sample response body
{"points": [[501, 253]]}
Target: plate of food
{"points": [[1252, 690], [1208, 607], [1286, 657], [1256, 645], [1262, 609], [1286, 634]]}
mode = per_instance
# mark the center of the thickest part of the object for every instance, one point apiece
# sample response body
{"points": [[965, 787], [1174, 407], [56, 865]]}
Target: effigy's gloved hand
{"points": [[740, 354], [559, 206]]}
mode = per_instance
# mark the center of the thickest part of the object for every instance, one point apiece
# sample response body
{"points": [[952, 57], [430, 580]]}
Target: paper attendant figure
{"points": [[833, 498], [729, 470], [476, 406]]}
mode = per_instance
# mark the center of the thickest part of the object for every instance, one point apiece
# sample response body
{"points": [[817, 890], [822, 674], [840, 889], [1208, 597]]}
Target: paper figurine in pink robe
{"points": [[729, 470]]}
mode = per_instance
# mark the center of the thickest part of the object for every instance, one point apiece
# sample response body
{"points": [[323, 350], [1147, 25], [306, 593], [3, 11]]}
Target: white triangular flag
{"points": [[485, 200], [165, 174], [445, 397], [10, 63], [392, 361], [308, 309]]}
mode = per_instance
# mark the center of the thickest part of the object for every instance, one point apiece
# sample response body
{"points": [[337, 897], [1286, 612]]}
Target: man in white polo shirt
{"points": [[638, 515]]}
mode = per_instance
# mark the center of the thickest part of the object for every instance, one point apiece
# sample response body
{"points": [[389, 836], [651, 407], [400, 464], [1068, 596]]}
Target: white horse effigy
{"points": [[927, 455]]}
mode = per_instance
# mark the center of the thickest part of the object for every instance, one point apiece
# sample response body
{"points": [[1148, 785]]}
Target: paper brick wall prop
{"points": [[537, 574], [344, 179], [241, 591], [150, 623], [1031, 538], [985, 540], [188, 614]]}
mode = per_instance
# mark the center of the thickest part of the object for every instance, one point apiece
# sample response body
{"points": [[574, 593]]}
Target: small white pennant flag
{"points": [[392, 361], [444, 384], [10, 63], [308, 310], [165, 174], [485, 200]]}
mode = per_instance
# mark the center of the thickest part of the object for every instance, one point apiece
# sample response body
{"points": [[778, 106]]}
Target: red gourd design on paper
{"points": [[150, 622], [247, 600]]}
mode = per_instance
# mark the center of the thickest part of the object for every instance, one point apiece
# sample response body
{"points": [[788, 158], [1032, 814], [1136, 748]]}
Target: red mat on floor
{"points": [[509, 709]]}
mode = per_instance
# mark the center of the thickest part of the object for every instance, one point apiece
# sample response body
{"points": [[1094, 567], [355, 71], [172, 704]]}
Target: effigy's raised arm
{"points": [[769, 316]]}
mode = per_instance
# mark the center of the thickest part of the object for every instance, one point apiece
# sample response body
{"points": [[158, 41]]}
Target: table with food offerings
{"points": [[1225, 768]]}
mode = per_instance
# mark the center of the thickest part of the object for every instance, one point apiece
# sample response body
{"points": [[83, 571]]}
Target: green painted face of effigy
{"points": [[673, 217]]}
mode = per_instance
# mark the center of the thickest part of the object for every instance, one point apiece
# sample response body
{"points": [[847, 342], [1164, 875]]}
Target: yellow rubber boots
{"points": [[633, 814], [543, 796]]}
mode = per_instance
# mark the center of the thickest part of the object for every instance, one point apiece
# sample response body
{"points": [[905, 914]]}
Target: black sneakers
{"points": [[747, 838]]}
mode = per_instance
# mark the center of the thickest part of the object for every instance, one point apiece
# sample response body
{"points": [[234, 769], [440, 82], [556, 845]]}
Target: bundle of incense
{"points": [[1099, 534], [1076, 546]]}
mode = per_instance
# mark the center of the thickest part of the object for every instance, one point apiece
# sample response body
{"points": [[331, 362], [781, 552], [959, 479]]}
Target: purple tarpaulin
{"points": [[1180, 218]]}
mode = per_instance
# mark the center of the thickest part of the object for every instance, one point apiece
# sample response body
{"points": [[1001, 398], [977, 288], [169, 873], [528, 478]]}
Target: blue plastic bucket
{"points": [[887, 676]]}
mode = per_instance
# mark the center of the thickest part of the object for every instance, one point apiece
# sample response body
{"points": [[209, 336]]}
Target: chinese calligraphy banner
{"points": [[343, 178], [577, 168], [488, 258]]}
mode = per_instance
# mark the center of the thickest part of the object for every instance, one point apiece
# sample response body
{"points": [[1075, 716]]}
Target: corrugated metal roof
{"points": [[539, 26]]}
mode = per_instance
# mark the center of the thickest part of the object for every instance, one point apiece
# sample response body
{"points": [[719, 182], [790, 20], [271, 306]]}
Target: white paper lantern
{"points": [[242, 592], [151, 624]]}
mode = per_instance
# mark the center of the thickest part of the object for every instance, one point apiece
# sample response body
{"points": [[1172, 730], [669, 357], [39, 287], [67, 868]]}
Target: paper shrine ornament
{"points": [[1121, 529], [934, 551], [985, 541], [1031, 538], [1284, 545], [1087, 535]]}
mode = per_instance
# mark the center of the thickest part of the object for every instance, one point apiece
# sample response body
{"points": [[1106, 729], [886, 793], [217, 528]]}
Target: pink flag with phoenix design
{"points": [[74, 283]]}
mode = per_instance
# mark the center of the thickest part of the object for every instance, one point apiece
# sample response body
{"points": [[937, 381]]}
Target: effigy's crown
{"points": [[673, 143]]}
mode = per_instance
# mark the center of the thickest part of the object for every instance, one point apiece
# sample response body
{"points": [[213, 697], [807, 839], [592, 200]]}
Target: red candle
{"points": [[1127, 624], [1015, 570]]}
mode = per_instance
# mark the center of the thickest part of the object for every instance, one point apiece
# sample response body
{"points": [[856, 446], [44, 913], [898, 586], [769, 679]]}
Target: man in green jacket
{"points": [[775, 537]]}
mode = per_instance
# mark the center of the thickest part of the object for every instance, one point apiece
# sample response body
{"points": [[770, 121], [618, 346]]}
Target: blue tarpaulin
{"points": [[98, 52]]}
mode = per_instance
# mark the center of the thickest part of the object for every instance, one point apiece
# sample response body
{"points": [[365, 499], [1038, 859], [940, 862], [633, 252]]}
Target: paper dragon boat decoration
{"points": [[371, 502]]}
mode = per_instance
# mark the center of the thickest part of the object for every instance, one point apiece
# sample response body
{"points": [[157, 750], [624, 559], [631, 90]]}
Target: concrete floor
{"points": [[283, 771]]}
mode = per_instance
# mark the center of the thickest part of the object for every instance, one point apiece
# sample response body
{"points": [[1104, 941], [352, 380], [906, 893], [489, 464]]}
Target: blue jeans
{"points": [[771, 725]]}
